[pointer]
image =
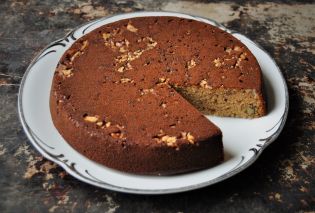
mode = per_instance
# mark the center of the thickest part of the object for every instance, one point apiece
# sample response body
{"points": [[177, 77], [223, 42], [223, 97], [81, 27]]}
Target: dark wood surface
{"points": [[282, 179]]}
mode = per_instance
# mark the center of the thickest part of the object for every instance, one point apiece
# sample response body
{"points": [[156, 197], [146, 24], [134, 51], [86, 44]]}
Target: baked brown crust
{"points": [[113, 96]]}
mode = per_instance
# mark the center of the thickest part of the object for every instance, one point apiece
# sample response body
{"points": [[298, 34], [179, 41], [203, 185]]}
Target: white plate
{"points": [[243, 139]]}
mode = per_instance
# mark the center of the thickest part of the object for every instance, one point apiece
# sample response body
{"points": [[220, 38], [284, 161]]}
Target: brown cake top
{"points": [[119, 80]]}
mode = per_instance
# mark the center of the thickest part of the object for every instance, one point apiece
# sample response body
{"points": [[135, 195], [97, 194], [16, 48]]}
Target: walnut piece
{"points": [[79, 52], [118, 135], [66, 72], [126, 66], [204, 84], [146, 91], [151, 43], [188, 136], [191, 64], [128, 57], [122, 49], [169, 140], [240, 58], [162, 80], [217, 62], [131, 28], [120, 126], [243, 56], [106, 36], [91, 119], [121, 69], [161, 133], [99, 123], [109, 41], [237, 48], [75, 55], [126, 80], [228, 50], [84, 45]]}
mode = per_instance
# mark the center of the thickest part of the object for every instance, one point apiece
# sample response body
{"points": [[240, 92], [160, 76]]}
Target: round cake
{"points": [[131, 94]]}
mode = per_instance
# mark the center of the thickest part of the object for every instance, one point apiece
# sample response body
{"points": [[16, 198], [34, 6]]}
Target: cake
{"points": [[131, 94]]}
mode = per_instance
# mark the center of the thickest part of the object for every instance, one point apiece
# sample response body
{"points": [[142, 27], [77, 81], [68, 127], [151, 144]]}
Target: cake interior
{"points": [[227, 102]]}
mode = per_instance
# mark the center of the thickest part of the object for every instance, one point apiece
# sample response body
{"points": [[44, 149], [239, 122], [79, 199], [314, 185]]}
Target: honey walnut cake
{"points": [[130, 94]]}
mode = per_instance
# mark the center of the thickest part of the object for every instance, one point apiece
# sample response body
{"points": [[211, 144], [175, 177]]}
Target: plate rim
{"points": [[71, 170]]}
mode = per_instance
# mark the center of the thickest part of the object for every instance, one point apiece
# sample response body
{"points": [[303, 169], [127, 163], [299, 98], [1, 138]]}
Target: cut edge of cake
{"points": [[225, 102]]}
